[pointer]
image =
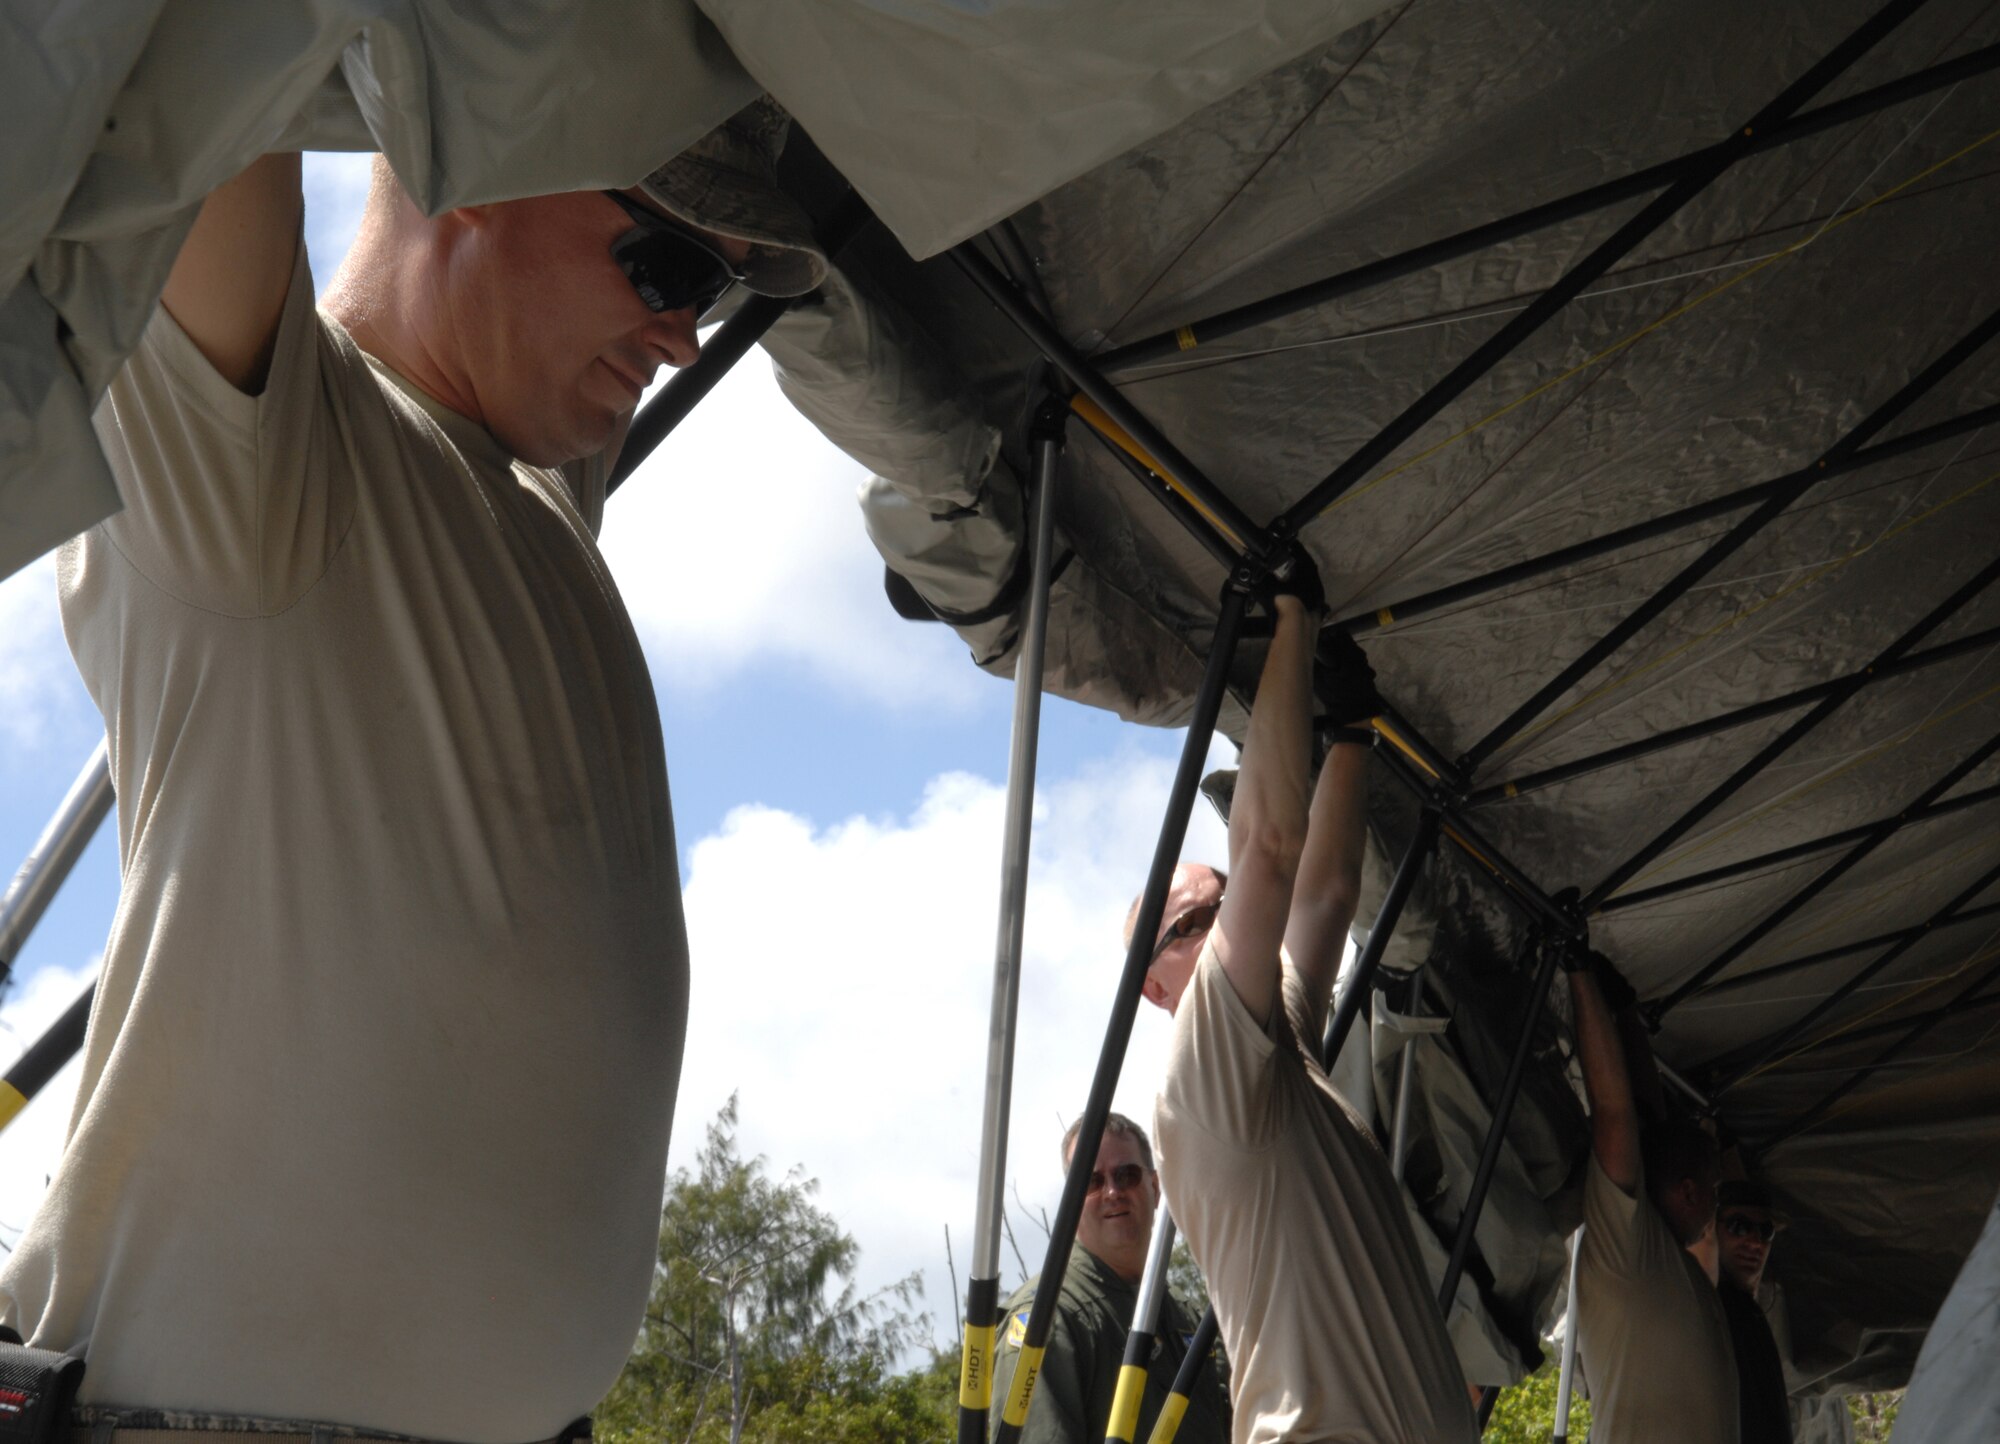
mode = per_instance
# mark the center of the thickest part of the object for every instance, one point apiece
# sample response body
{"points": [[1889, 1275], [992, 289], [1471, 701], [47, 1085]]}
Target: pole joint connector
{"points": [[1050, 421]]}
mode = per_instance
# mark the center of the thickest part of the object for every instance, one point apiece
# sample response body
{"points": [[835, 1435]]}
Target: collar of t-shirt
{"points": [[474, 441]]}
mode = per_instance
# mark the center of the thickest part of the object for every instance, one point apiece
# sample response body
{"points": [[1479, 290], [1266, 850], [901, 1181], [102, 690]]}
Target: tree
{"points": [[1526, 1412], [754, 1332], [1874, 1415]]}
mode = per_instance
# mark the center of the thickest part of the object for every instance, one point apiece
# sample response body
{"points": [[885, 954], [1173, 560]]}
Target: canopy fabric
{"points": [[1954, 1394], [1745, 338]]}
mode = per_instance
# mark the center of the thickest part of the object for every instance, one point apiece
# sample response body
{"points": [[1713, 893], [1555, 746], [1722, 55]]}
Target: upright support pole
{"points": [[1503, 1110], [1125, 1005], [1196, 1359], [1422, 844], [982, 1295], [45, 1057], [1131, 1390], [55, 852], [1566, 1376], [1406, 1072]]}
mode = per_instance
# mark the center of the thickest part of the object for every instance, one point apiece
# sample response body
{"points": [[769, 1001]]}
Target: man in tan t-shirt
{"points": [[1285, 1199], [1651, 1333], [372, 1127]]}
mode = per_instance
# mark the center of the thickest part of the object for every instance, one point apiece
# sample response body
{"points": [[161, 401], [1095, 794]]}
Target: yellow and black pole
{"points": [[55, 852], [1175, 1408], [1131, 1391], [982, 1294], [1125, 1006], [45, 1057]]}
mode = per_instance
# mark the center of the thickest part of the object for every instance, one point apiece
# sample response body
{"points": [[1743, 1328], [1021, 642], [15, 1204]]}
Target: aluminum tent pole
{"points": [[1784, 741], [1424, 603], [55, 853], [1720, 550], [982, 1295], [1131, 1390], [1723, 722], [1496, 1135], [1125, 1005], [1847, 950], [731, 341], [45, 1057], [1566, 1376], [1873, 838], [1180, 339], [1406, 1071], [1200, 1346], [1918, 1029], [1697, 177], [1748, 1060], [1908, 817], [1422, 844]]}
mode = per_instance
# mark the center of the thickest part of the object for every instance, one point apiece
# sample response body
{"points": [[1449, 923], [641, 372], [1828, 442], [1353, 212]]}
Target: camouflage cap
{"points": [[727, 183]]}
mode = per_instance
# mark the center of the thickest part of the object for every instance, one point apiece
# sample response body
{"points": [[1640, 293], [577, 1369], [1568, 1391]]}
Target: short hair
{"points": [[1132, 913], [1674, 1151], [1114, 1123]]}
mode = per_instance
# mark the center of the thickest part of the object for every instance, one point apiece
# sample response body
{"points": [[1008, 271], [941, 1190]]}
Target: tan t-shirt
{"points": [[1651, 1335], [1331, 1323], [373, 1119]]}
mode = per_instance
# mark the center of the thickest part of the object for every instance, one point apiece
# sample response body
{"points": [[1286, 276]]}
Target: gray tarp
{"points": [[1741, 341], [1954, 1394]]}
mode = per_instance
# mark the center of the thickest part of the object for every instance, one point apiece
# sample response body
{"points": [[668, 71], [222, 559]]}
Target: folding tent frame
{"points": [[1252, 554]]}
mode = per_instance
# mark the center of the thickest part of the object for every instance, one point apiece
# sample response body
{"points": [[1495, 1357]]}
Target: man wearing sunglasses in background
{"points": [[1086, 1347], [1745, 1225], [373, 1122], [1284, 1197]]}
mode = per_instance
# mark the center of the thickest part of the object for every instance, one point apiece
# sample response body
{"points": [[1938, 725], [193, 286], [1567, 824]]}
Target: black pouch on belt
{"points": [[37, 1386]]}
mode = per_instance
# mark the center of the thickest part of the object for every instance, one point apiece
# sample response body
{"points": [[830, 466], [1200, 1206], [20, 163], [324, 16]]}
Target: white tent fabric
{"points": [[1954, 1394]]}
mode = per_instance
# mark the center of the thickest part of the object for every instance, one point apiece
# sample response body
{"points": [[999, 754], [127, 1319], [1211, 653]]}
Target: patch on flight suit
{"points": [[1017, 1328]]}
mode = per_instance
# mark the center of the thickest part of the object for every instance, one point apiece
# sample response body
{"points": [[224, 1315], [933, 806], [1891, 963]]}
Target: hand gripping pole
{"points": [[1125, 1005], [982, 1295]]}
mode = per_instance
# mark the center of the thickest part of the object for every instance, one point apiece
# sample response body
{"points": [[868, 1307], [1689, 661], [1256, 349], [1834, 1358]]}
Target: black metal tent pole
{"points": [[1200, 1345], [1845, 950], [730, 342], [1872, 838], [1424, 603], [1496, 1133], [1783, 742], [45, 1057], [1967, 1005], [1699, 172], [1723, 722], [1421, 845], [982, 1295], [1585, 202], [48, 863], [1718, 551], [1918, 1029], [1766, 755], [1125, 1005], [1908, 817], [1745, 1061], [1130, 1391]]}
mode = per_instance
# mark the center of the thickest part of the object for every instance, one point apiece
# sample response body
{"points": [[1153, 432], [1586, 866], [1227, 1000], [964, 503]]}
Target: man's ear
{"points": [[1155, 991]]}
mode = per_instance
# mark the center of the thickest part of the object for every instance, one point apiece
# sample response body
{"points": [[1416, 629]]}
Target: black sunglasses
{"points": [[1125, 1177], [1192, 923], [672, 269], [1742, 1225]]}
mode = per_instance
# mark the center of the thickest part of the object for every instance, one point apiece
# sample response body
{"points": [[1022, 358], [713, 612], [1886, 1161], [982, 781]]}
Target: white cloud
{"points": [[740, 542], [842, 981], [40, 692], [31, 1144]]}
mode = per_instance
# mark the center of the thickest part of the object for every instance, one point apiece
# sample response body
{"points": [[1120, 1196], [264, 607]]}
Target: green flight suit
{"points": [[1072, 1402]]}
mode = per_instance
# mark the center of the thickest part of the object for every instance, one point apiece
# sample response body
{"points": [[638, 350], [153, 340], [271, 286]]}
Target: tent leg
{"points": [[1407, 871], [55, 852], [1131, 1391], [1125, 1006], [982, 1296], [1406, 1071], [1503, 1109], [45, 1057], [1200, 1346], [1566, 1377]]}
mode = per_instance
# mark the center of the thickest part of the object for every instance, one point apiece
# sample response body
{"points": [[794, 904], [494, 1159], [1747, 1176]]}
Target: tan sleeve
{"points": [[230, 502], [1220, 1063], [1621, 1235]]}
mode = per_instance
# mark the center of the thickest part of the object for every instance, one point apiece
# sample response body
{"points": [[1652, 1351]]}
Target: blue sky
{"points": [[837, 777]]}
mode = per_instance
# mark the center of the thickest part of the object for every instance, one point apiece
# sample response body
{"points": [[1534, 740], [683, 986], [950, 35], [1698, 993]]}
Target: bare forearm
{"points": [[1329, 873], [1614, 1121]]}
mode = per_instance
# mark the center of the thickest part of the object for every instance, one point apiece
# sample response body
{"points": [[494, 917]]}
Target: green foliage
{"points": [[1526, 1412], [1874, 1415], [1184, 1278], [753, 1331]]}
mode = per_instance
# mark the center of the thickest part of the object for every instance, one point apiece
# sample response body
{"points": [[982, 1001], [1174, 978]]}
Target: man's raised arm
{"points": [[1329, 883], [1614, 1116], [227, 288], [1268, 815]]}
